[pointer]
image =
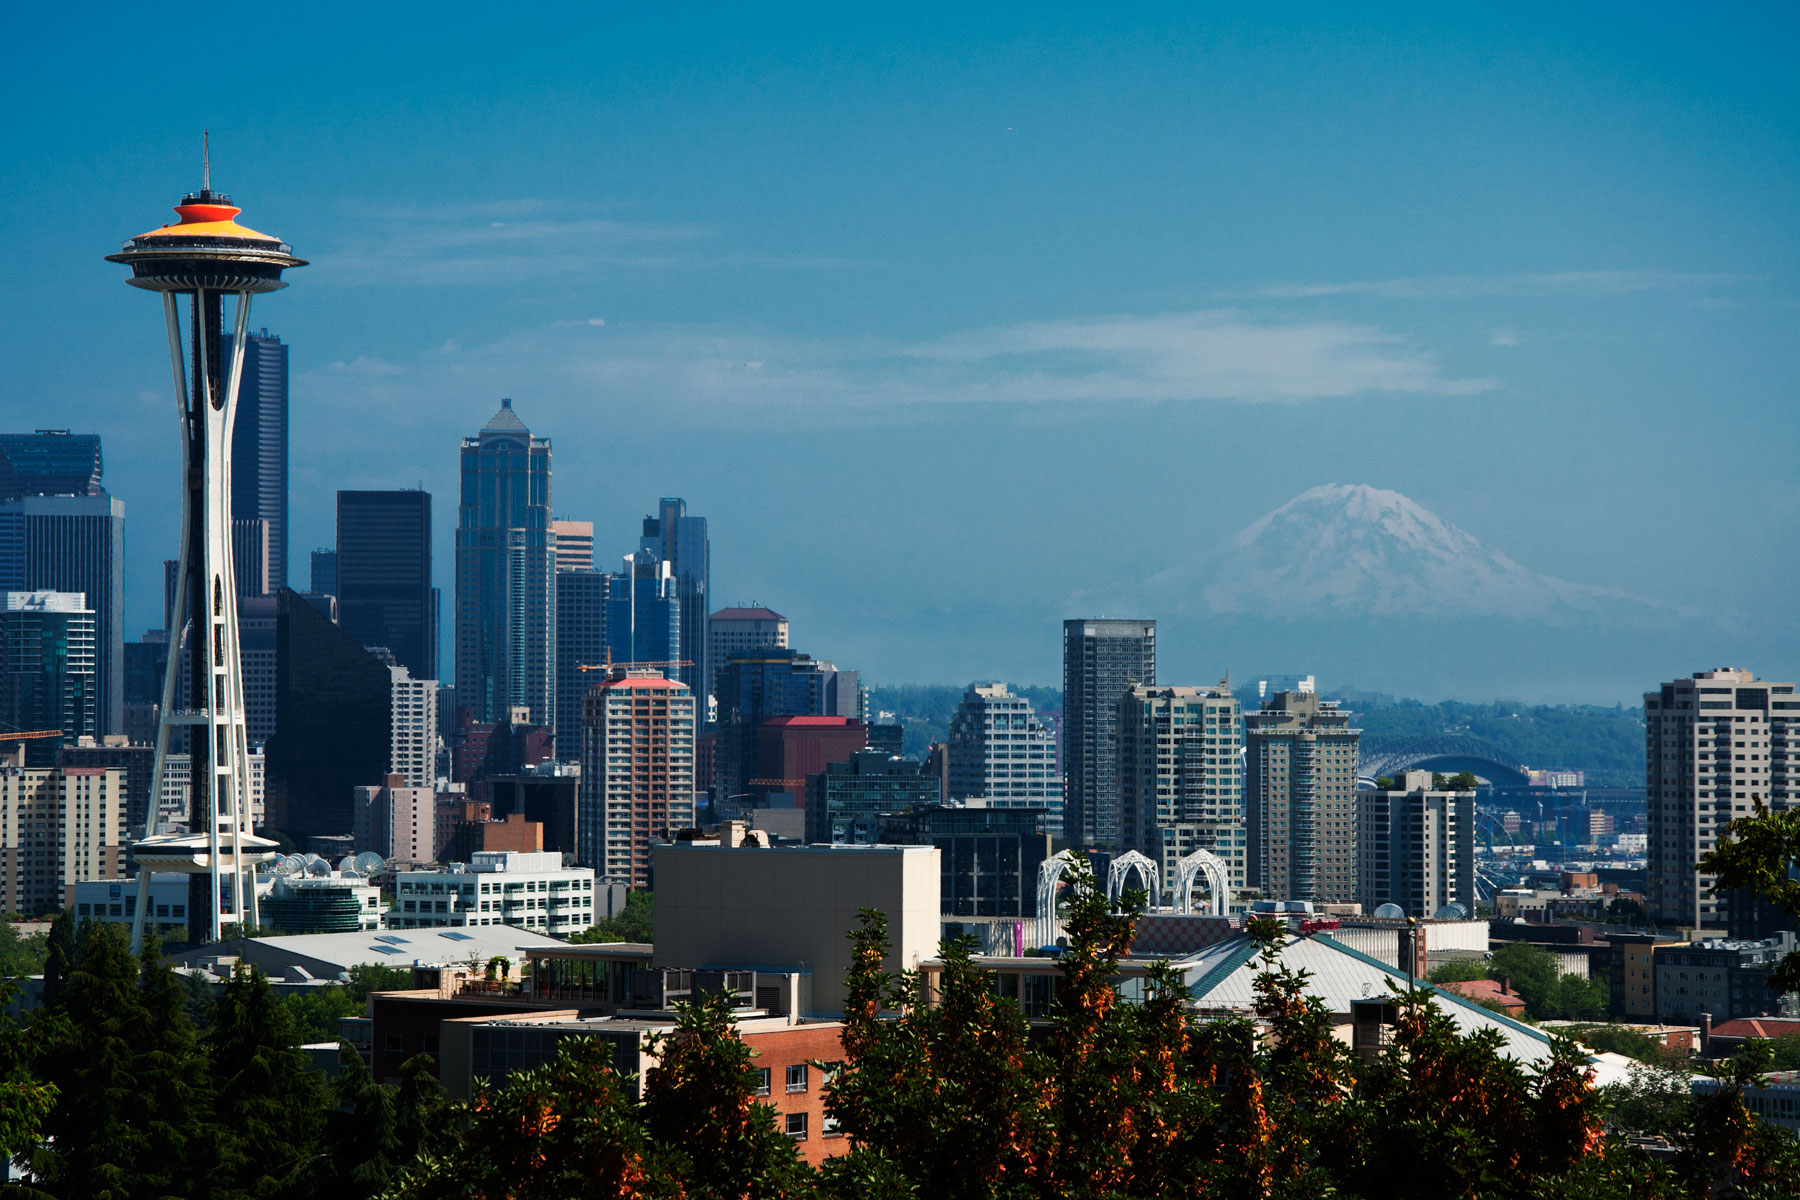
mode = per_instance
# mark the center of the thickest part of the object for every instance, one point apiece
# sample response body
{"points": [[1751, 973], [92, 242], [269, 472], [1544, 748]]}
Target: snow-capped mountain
{"points": [[1349, 550]]}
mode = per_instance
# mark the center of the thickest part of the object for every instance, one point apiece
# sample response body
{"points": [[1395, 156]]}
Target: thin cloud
{"points": [[1461, 287], [1504, 337], [502, 242]]}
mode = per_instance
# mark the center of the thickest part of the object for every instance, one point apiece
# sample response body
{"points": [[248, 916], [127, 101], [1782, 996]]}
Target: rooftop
{"points": [[747, 614]]}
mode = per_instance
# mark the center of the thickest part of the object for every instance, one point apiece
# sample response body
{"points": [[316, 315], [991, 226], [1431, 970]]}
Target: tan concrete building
{"points": [[1300, 798], [792, 907], [734, 630], [574, 545], [637, 771], [1416, 847], [58, 826], [1713, 743]]}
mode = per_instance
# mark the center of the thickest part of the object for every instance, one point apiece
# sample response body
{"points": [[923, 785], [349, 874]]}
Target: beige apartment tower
{"points": [[1180, 786], [1416, 847], [1713, 744], [737, 630], [1300, 798], [637, 771], [58, 826]]}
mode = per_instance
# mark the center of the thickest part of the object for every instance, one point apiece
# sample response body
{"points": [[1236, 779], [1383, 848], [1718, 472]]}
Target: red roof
{"points": [[638, 682], [817, 722], [1484, 989], [1756, 1027], [747, 614]]}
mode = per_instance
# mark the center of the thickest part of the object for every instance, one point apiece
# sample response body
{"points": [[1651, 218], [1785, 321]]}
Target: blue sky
{"points": [[952, 322]]}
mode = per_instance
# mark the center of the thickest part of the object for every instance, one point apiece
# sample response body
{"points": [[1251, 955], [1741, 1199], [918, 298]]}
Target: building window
{"points": [[796, 1126], [391, 1043], [762, 1081], [796, 1078]]}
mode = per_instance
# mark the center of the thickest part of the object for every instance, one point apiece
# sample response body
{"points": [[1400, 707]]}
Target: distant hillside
{"points": [[1607, 743], [925, 708]]}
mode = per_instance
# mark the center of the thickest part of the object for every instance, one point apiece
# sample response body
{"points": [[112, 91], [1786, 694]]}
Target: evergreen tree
{"points": [[131, 1117], [362, 1138], [270, 1102]]}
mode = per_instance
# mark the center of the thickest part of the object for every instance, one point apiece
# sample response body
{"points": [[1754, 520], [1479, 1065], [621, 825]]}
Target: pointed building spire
{"points": [[206, 160]]}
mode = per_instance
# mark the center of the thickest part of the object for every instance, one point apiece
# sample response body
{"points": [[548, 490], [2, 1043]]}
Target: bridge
{"points": [[1445, 753]]}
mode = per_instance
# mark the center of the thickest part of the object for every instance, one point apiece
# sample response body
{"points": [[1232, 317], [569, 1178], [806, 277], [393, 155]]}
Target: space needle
{"points": [[205, 257]]}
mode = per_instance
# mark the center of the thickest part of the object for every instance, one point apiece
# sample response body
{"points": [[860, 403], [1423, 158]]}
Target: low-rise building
{"points": [[1722, 977], [499, 887]]}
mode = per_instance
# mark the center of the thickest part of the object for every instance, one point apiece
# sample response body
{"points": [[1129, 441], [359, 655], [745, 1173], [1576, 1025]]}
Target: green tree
{"points": [[22, 956], [59, 953], [1458, 970], [565, 1129], [132, 1115], [269, 1101], [1532, 972], [25, 1100], [1760, 854], [636, 922], [700, 1105]]}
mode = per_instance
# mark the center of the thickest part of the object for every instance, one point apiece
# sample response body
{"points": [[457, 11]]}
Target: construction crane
{"points": [[653, 664], [23, 735], [775, 783]]}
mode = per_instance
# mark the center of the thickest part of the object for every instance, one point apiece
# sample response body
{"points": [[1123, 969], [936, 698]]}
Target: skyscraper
{"points": [[643, 613], [324, 573], [1415, 847], [333, 722], [251, 556], [580, 642], [731, 630], [1101, 659], [681, 541], [1180, 785], [412, 739], [505, 574], [1001, 752], [1713, 744], [574, 545], [50, 462], [47, 671], [384, 591], [259, 445], [637, 771], [1300, 798], [75, 544]]}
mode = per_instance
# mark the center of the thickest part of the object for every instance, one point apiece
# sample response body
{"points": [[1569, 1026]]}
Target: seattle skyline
{"points": [[1013, 283]]}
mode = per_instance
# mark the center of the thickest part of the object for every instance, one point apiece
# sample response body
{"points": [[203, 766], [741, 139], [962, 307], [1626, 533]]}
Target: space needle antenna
{"points": [[206, 160]]}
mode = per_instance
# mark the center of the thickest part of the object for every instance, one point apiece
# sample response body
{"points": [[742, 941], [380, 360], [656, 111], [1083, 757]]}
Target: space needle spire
{"points": [[206, 257]]}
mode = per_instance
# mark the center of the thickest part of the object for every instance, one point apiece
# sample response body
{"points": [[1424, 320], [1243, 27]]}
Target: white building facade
{"points": [[1000, 750], [497, 887], [414, 736]]}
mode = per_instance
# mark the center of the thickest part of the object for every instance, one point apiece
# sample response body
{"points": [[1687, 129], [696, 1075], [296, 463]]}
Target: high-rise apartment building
{"points": [[734, 630], [1101, 660], [845, 801], [412, 742], [75, 544], [395, 819], [50, 462], [580, 643], [383, 575], [505, 574], [1180, 785], [1713, 744], [47, 671], [681, 541], [574, 545], [58, 826], [643, 613], [1300, 798], [1001, 751], [1415, 847], [259, 445], [637, 771]]}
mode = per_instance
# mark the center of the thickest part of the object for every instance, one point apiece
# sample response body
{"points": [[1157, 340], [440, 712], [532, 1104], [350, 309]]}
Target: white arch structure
{"points": [[1193, 866], [1121, 870], [1049, 875]]}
